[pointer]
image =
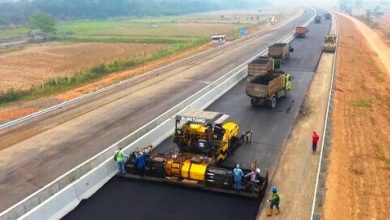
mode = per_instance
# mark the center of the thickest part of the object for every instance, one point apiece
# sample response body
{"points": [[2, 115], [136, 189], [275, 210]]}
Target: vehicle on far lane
{"points": [[301, 31], [280, 51], [317, 19]]}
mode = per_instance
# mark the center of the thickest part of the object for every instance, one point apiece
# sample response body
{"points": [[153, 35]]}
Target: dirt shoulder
{"points": [[297, 171], [359, 169]]}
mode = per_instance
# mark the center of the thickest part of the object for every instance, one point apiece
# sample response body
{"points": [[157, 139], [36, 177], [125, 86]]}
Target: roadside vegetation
{"points": [[20, 12]]}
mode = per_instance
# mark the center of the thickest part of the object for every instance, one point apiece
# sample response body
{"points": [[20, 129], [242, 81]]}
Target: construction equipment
{"points": [[280, 51], [194, 171], [317, 19], [329, 43], [301, 32], [260, 66], [204, 139], [268, 88], [206, 133], [328, 16]]}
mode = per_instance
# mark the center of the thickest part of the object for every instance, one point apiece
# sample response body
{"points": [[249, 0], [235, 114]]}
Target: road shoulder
{"points": [[296, 174]]}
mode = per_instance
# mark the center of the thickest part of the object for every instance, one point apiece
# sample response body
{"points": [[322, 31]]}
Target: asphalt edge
{"points": [[319, 193]]}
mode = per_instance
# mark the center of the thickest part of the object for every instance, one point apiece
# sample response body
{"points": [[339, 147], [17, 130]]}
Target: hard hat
{"points": [[258, 170], [274, 189], [237, 165]]}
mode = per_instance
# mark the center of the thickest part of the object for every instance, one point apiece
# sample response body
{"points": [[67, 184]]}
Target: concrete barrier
{"points": [[63, 194]]}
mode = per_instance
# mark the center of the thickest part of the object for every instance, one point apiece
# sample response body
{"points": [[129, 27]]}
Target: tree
{"points": [[358, 4], [44, 22], [377, 12], [2, 20], [368, 15]]}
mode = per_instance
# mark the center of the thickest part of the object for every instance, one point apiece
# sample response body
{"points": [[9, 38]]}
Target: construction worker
{"points": [[242, 137], [120, 158], [140, 161], [237, 174], [248, 136], [254, 176], [315, 139], [274, 201], [288, 83]]}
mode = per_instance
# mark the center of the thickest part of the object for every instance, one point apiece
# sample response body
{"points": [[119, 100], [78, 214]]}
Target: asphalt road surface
{"points": [[49, 154], [121, 198]]}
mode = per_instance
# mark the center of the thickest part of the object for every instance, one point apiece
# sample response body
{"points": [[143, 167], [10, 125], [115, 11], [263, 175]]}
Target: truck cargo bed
{"points": [[264, 80], [266, 86], [279, 51], [260, 66]]}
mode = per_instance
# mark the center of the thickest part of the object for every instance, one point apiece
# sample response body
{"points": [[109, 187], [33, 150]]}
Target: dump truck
{"points": [[267, 89], [301, 32], [329, 43], [317, 19], [260, 66], [206, 133], [280, 51], [328, 16]]}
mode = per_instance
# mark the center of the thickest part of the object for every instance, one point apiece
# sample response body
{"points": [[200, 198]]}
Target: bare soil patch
{"points": [[359, 168], [23, 68]]}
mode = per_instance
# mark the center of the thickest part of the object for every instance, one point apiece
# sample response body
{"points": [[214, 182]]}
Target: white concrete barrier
{"points": [[63, 194]]}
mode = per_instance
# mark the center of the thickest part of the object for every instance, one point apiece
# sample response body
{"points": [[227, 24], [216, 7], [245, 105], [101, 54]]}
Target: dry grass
{"points": [[359, 159], [23, 68]]}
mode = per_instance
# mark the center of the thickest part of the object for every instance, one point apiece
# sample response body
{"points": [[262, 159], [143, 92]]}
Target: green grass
{"points": [[59, 84], [11, 33], [363, 103]]}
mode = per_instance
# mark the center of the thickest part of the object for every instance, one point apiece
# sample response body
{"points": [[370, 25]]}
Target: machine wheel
{"points": [[253, 102], [272, 103]]}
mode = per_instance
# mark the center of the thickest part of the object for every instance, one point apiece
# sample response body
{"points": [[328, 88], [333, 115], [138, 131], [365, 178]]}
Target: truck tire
{"points": [[272, 102]]}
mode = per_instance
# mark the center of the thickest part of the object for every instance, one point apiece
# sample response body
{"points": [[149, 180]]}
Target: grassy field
{"points": [[89, 49], [167, 27]]}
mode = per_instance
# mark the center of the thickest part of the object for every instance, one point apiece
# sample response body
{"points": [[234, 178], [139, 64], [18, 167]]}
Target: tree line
{"points": [[19, 12]]}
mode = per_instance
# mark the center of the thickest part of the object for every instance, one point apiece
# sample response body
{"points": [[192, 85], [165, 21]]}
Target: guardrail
{"points": [[318, 195], [63, 194]]}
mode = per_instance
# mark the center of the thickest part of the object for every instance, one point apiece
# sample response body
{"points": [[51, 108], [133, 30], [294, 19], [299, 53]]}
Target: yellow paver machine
{"points": [[204, 140]]}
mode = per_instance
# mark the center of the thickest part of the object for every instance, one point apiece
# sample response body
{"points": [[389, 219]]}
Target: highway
{"points": [[121, 198], [55, 150]]}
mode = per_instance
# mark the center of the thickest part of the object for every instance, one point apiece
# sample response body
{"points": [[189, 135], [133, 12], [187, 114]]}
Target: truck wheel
{"points": [[273, 102]]}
